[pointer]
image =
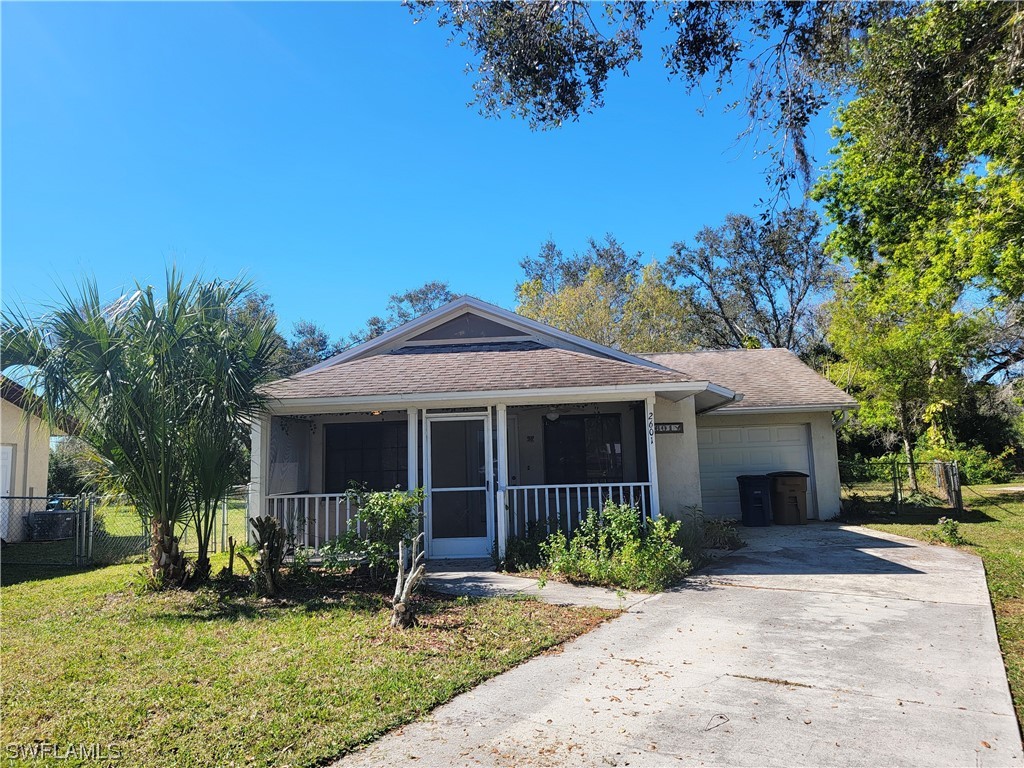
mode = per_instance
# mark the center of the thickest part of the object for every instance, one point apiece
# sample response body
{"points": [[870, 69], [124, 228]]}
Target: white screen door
{"points": [[458, 485]]}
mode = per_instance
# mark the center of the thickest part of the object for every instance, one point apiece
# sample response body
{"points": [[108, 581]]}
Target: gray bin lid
{"points": [[788, 473]]}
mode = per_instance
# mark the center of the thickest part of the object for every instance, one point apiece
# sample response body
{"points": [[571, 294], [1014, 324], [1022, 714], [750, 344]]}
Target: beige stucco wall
{"points": [[824, 458], [30, 438], [678, 461]]}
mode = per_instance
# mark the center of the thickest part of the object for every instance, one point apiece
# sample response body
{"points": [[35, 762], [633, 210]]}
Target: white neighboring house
{"points": [[508, 423], [24, 457]]}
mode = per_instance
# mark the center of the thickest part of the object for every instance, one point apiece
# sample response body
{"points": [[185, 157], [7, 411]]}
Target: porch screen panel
{"points": [[289, 456], [374, 454], [583, 449]]}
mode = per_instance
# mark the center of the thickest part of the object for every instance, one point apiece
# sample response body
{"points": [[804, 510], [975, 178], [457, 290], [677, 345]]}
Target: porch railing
{"points": [[313, 519], [551, 507]]}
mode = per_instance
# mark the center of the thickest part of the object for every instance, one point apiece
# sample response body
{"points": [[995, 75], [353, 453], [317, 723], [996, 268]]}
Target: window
{"points": [[372, 453], [583, 449]]}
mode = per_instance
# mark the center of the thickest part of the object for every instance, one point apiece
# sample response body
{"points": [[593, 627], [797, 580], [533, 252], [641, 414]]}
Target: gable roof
{"points": [[15, 393], [770, 379], [29, 402], [432, 372], [525, 326]]}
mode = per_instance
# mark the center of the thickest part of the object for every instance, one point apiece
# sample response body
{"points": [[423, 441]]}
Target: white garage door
{"points": [[726, 452]]}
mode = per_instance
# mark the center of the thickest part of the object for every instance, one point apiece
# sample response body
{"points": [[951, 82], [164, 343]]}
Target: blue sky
{"points": [[326, 150]]}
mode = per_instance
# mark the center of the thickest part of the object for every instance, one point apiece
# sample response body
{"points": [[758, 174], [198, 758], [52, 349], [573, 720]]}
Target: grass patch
{"points": [[219, 677], [993, 528]]}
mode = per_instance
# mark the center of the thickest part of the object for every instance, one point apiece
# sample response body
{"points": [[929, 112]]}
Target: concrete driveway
{"points": [[822, 645]]}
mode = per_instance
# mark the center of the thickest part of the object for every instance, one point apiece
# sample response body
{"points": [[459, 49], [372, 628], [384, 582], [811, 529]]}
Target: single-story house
{"points": [[508, 423], [24, 456]]}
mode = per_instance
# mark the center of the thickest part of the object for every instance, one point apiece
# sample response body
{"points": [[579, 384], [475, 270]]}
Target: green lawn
{"points": [[223, 678], [993, 526]]}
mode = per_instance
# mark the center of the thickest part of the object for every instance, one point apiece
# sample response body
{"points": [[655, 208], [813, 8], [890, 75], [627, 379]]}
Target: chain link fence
{"points": [[94, 530], [36, 530], [888, 485]]}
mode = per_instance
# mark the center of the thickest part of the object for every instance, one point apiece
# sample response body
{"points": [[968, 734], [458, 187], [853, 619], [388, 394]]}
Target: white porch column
{"points": [[501, 495], [259, 468], [652, 458], [413, 419]]}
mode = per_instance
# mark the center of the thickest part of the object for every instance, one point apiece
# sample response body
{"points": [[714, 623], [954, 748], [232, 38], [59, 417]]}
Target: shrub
{"points": [[612, 548], [341, 553], [523, 553], [697, 534], [947, 531], [976, 465], [387, 518], [692, 534], [722, 534]]}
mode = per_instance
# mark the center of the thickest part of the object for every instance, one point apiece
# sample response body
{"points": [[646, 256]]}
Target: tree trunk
{"points": [[907, 437], [204, 525], [402, 614], [908, 449], [168, 563]]}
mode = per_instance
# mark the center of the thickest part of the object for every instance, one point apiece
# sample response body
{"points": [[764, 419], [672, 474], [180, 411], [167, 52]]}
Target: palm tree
{"points": [[160, 389]]}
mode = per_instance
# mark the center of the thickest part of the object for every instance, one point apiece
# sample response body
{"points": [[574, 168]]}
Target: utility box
{"points": [[789, 497], [755, 500], [51, 525]]}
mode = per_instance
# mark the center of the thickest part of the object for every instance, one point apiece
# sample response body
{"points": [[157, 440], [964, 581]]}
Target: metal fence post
{"points": [[896, 485], [224, 525], [92, 524], [954, 484], [79, 538]]}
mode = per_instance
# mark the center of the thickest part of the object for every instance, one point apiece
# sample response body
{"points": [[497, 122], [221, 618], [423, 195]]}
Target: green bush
{"points": [[387, 518], [697, 534], [612, 548], [976, 465], [523, 553], [722, 534], [947, 531], [341, 553]]}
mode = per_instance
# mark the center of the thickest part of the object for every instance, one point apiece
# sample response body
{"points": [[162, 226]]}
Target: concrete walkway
{"points": [[822, 645], [478, 578]]}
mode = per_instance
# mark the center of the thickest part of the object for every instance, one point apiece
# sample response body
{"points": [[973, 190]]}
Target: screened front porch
{"points": [[489, 472]]}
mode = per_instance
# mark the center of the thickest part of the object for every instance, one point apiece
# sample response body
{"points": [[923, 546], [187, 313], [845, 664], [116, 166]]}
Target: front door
{"points": [[458, 485]]}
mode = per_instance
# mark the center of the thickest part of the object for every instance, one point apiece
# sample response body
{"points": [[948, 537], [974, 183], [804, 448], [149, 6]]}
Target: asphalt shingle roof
{"points": [[469, 368], [768, 378]]}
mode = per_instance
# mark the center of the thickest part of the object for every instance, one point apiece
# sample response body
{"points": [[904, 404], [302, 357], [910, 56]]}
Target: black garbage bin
{"points": [[755, 500], [789, 497]]}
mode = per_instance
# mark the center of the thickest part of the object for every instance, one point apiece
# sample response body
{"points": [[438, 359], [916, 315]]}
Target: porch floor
{"points": [[478, 578]]}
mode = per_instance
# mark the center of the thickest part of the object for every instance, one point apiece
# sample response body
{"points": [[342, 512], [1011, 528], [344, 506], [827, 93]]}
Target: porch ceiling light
{"points": [[552, 415], [376, 413]]}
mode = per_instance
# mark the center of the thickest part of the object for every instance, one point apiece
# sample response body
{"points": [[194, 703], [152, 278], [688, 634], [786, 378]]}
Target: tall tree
{"points": [[403, 307], [603, 294], [902, 351], [928, 176], [756, 284], [553, 270], [160, 388], [926, 193], [257, 309], [549, 62], [309, 344]]}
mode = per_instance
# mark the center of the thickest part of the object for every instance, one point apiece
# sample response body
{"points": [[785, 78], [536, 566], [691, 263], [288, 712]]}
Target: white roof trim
{"points": [[461, 304], [753, 410], [283, 406]]}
